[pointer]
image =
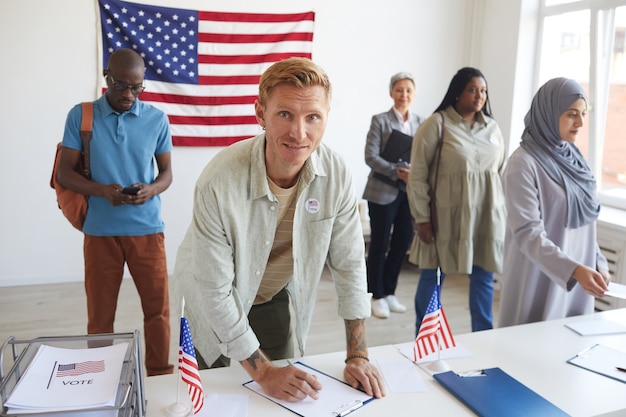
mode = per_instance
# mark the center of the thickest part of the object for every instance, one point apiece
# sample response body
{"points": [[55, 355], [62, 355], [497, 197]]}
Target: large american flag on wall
{"points": [[202, 67]]}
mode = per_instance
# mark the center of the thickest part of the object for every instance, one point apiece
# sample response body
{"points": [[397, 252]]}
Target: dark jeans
{"points": [[480, 297], [271, 322], [387, 250]]}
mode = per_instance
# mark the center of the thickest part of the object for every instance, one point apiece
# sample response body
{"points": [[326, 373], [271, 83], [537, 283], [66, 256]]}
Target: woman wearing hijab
{"points": [[553, 266]]}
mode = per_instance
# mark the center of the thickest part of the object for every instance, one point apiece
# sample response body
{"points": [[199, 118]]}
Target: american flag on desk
{"points": [[434, 332], [202, 67], [188, 366]]}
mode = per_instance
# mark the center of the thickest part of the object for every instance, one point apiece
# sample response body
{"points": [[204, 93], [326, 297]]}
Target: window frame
{"points": [[601, 37]]}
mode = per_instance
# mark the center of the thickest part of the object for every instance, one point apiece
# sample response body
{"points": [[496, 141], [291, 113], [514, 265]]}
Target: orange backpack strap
{"points": [[85, 134]]}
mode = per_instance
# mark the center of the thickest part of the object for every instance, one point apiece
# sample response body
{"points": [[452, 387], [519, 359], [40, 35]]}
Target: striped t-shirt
{"points": [[279, 268]]}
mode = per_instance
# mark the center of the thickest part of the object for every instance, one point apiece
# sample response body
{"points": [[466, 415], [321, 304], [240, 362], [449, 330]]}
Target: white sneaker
{"points": [[380, 308], [394, 304]]}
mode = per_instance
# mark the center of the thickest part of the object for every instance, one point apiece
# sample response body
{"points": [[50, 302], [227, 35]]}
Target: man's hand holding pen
{"points": [[301, 384], [288, 383]]}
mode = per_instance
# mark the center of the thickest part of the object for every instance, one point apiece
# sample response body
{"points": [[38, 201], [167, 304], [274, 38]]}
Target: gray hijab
{"points": [[561, 160]]}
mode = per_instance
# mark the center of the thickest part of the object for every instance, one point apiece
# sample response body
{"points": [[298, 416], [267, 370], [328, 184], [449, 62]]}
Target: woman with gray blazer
{"points": [[390, 218]]}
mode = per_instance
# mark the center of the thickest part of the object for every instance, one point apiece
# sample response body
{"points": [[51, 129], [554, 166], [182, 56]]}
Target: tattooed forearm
{"points": [[257, 355], [355, 336]]}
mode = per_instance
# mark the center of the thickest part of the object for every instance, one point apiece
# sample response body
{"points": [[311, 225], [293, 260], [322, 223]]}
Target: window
{"points": [[553, 2], [586, 41]]}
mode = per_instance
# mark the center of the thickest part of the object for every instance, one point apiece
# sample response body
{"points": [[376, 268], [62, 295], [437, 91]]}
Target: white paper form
{"points": [[224, 405], [616, 290], [401, 375], [335, 396], [596, 327], [458, 351], [69, 379]]}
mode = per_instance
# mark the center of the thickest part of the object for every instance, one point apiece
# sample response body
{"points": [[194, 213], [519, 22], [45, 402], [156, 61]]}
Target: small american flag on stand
{"points": [[434, 333], [188, 366]]}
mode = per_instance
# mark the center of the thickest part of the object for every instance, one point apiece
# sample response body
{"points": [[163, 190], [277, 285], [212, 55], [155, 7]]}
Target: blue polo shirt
{"points": [[123, 149]]}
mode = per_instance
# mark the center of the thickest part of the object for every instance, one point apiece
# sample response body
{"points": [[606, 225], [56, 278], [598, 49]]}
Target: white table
{"points": [[535, 354]]}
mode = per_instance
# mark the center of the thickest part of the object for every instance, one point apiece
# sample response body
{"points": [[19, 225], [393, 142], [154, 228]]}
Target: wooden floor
{"points": [[59, 309]]}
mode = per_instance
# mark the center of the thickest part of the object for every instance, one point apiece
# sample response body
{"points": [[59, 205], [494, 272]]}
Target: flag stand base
{"points": [[438, 366], [177, 410]]}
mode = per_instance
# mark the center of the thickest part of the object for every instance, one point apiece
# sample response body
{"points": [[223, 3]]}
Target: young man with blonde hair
{"points": [[269, 213]]}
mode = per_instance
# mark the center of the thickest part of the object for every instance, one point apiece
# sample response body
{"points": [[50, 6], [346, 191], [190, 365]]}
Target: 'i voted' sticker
{"points": [[312, 205]]}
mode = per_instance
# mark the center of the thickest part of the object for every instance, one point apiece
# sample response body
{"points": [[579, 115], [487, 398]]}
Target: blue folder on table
{"points": [[494, 393]]}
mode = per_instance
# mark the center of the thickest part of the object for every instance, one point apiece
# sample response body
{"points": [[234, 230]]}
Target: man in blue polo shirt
{"points": [[128, 137]]}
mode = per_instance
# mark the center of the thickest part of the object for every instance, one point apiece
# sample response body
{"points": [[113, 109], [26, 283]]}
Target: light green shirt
{"points": [[224, 254], [471, 213]]}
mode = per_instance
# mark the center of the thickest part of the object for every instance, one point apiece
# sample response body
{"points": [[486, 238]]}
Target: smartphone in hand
{"points": [[130, 190]]}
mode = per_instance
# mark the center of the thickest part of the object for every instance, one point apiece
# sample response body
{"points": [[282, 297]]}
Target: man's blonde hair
{"points": [[298, 72]]}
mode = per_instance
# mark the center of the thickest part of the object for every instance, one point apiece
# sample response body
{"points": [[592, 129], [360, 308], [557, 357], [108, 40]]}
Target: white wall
{"points": [[49, 64]]}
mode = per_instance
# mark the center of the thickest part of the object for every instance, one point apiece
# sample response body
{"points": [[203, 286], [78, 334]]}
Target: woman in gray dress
{"points": [[553, 266]]}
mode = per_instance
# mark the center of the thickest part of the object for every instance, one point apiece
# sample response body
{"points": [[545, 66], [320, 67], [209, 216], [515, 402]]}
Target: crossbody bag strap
{"points": [[86, 127], [439, 146]]}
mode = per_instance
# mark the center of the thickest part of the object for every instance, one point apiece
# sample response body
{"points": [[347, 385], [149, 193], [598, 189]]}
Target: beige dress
{"points": [[471, 212]]}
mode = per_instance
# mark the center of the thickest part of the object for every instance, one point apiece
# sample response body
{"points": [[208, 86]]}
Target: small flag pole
{"points": [[439, 365], [182, 314], [178, 409]]}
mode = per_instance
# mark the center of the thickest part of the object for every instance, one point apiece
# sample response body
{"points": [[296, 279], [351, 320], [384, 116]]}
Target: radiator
{"points": [[612, 242]]}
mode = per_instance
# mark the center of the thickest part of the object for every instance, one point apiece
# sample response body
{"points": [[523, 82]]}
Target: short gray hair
{"points": [[399, 77]]}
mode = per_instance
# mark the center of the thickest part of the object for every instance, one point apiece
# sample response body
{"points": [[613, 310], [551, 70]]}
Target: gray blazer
{"points": [[378, 191]]}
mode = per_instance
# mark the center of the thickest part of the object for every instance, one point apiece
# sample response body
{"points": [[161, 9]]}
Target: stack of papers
{"points": [[59, 379]]}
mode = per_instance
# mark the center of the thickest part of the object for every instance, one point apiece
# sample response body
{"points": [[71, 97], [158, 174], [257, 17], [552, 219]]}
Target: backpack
{"points": [[74, 204]]}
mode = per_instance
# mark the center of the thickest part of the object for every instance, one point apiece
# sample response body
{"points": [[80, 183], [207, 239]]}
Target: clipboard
{"points": [[602, 360], [494, 393], [337, 398], [397, 148]]}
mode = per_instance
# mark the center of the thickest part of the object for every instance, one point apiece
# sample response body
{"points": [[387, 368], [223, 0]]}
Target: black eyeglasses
{"points": [[136, 89]]}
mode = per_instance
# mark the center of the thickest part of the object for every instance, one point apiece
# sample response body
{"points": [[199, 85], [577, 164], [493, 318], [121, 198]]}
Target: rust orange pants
{"points": [[105, 257]]}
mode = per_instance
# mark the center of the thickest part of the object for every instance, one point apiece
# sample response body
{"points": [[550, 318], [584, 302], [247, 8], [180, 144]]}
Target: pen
{"points": [[620, 369], [292, 364], [347, 409]]}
